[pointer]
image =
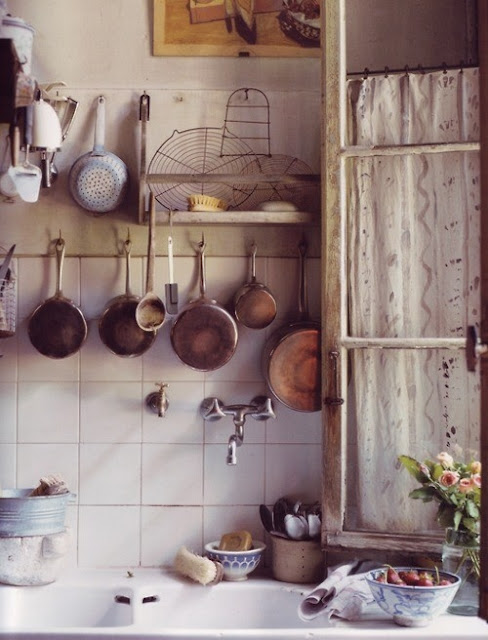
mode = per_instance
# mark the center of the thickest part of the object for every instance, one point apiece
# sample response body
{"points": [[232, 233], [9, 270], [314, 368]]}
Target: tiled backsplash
{"points": [[146, 485]]}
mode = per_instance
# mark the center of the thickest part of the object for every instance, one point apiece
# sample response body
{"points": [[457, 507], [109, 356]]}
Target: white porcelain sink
{"points": [[97, 605], [249, 605], [49, 607]]}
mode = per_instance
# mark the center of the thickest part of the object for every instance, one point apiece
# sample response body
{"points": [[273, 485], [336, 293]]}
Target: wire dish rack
{"points": [[198, 161], [232, 164]]}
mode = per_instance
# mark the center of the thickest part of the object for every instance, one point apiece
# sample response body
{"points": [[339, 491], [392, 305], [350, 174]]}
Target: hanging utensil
{"points": [[254, 305], [98, 180], [117, 327], [57, 328], [150, 311], [171, 288], [6, 263], [204, 336], [291, 356], [27, 176]]}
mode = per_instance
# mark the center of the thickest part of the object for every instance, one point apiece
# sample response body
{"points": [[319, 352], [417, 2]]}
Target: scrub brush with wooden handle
{"points": [[198, 568]]}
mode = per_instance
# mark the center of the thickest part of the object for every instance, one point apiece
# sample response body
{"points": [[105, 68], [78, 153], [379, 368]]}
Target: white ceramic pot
{"points": [[46, 127], [22, 34]]}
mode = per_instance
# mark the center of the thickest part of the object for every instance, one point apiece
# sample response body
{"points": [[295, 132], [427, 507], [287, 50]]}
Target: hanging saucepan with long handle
{"points": [[291, 356], [254, 304], [117, 326], [57, 328], [204, 335]]}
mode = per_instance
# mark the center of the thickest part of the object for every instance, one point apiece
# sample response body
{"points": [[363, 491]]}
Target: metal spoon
{"points": [[150, 311], [267, 521], [296, 527]]}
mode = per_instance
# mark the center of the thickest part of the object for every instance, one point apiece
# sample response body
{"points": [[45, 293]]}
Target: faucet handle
{"points": [[211, 409], [264, 408]]}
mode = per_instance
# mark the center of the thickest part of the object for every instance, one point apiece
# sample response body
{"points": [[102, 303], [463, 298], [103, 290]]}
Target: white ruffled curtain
{"points": [[413, 271]]}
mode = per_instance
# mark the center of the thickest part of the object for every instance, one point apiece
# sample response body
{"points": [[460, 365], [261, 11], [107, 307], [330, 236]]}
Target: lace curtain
{"points": [[413, 271]]}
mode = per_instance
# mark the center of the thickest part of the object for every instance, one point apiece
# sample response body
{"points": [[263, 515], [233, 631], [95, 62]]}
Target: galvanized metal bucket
{"points": [[25, 515]]}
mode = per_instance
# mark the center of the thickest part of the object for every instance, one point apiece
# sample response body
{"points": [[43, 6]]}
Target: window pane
{"points": [[413, 236], [413, 402]]}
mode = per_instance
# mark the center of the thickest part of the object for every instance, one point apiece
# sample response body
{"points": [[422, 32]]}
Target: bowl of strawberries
{"points": [[413, 596]]}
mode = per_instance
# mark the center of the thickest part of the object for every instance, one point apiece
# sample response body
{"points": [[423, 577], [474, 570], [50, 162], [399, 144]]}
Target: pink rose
{"points": [[475, 466], [465, 485], [476, 479], [449, 478], [445, 459]]}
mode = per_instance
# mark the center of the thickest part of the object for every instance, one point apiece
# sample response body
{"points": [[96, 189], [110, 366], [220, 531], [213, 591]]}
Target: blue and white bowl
{"points": [[413, 606], [237, 564]]}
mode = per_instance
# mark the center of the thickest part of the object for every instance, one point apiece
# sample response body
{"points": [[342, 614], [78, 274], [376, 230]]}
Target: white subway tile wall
{"points": [[146, 485]]}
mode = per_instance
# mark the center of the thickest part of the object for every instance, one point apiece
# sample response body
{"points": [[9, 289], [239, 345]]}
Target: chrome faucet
{"points": [[157, 401], [212, 409]]}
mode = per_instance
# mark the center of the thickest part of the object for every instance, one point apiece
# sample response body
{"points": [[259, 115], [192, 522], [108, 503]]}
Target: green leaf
{"points": [[437, 471], [471, 509], [426, 494], [457, 519], [413, 467]]}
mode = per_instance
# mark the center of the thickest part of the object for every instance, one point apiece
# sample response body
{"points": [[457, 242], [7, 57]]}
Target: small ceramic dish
{"points": [[237, 564], [413, 606]]}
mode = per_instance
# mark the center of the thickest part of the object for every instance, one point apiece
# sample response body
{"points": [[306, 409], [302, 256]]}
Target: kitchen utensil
{"points": [[150, 311], [296, 527], [291, 356], [117, 326], [171, 288], [198, 152], [266, 516], [204, 335], [57, 327], [98, 180], [144, 110], [4, 268], [27, 176], [281, 508], [46, 127], [303, 193], [254, 304], [65, 109]]}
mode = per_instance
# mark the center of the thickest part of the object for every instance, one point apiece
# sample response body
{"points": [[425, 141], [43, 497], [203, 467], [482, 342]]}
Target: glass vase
{"points": [[461, 555]]}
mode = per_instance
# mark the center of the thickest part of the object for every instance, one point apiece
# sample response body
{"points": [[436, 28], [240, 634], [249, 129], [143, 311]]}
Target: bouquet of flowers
{"points": [[456, 486]]}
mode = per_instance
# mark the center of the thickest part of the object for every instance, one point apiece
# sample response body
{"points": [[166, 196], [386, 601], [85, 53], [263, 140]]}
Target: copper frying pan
{"points": [[204, 335], [57, 328], [291, 357], [117, 326]]}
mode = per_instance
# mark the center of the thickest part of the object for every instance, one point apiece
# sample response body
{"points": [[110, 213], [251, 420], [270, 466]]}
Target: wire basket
{"points": [[8, 303], [193, 152]]}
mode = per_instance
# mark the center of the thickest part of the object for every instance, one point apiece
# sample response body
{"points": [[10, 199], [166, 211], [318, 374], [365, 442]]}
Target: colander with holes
{"points": [[98, 180]]}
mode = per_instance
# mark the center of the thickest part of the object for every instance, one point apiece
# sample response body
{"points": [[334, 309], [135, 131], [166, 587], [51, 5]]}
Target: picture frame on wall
{"points": [[245, 28]]}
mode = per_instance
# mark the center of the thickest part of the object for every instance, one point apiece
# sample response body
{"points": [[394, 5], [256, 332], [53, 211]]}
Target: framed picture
{"points": [[271, 28]]}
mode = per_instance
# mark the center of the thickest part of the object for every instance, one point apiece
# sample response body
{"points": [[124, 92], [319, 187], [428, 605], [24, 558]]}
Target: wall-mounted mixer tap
{"points": [[157, 401], [212, 409]]}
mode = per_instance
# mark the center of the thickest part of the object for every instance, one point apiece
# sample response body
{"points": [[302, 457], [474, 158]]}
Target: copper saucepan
{"points": [[57, 328], [117, 326], [291, 356], [254, 304], [204, 335]]}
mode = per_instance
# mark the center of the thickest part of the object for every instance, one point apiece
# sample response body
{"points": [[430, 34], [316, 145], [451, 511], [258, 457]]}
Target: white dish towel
{"points": [[344, 593]]}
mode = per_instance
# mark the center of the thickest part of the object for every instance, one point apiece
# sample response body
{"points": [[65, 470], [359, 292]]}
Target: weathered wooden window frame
{"points": [[335, 340]]}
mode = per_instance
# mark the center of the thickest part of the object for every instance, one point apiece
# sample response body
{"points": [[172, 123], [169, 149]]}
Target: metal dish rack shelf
{"points": [[233, 163]]}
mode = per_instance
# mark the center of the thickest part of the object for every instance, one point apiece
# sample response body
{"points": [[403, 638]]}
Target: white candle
{"points": [[170, 258]]}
